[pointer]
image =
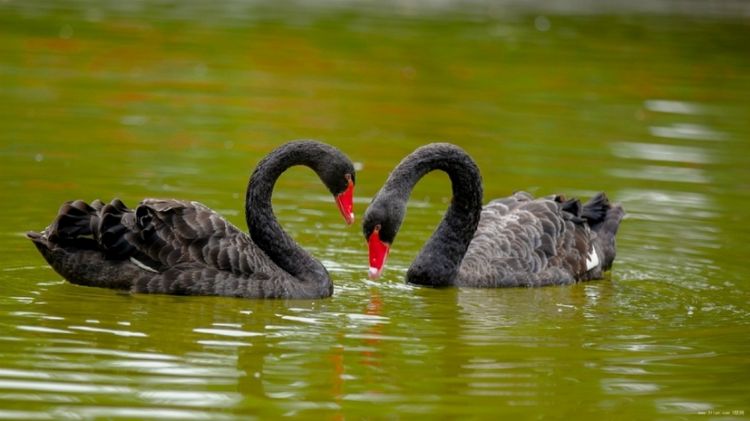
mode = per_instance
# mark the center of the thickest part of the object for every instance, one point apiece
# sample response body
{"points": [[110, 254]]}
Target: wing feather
{"points": [[525, 241]]}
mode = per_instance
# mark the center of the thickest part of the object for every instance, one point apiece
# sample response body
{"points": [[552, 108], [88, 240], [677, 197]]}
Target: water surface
{"points": [[102, 100]]}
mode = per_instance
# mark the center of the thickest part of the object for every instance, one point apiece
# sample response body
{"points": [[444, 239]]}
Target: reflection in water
{"points": [[676, 107], [687, 131], [537, 322], [110, 331], [656, 152], [666, 212], [662, 173]]}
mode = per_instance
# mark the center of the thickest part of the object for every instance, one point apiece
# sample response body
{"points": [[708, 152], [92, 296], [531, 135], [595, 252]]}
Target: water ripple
{"points": [[111, 412], [126, 333], [188, 398], [9, 414], [227, 332], [42, 329], [674, 107], [63, 387], [659, 152], [663, 173], [629, 387], [689, 131]]}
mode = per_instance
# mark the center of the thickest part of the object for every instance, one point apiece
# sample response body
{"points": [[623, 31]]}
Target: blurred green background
{"points": [[648, 101]]}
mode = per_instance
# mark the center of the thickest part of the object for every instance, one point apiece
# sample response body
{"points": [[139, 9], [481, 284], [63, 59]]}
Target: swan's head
{"points": [[332, 166], [380, 225], [338, 175]]}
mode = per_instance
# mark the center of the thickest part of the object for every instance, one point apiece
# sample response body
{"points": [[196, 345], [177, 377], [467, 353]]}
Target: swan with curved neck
{"points": [[180, 247], [515, 241]]}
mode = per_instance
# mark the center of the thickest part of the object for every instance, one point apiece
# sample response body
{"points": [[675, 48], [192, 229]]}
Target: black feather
{"points": [[179, 247], [517, 241]]}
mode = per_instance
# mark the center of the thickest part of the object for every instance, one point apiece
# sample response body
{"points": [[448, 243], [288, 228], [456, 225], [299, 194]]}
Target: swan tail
{"points": [[82, 244], [95, 226], [595, 210], [114, 231], [75, 223], [41, 242], [572, 206], [604, 218]]}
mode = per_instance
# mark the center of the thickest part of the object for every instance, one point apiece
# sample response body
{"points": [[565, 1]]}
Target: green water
{"points": [[133, 100]]}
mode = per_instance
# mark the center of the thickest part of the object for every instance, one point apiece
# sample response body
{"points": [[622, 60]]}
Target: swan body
{"points": [[515, 241], [180, 247]]}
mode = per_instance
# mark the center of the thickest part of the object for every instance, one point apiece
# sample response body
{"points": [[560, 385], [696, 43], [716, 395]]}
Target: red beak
{"points": [[378, 254], [345, 201]]}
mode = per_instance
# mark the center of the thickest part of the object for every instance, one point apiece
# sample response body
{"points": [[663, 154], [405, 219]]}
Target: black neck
{"points": [[438, 262], [261, 221]]}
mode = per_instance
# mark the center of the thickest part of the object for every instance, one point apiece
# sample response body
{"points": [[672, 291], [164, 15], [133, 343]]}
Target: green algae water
{"points": [[138, 99]]}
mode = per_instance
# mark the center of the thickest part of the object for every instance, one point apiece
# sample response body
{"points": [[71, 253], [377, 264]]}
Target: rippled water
{"points": [[135, 100]]}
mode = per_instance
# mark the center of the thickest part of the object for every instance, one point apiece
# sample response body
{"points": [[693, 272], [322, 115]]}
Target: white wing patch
{"points": [[142, 265], [592, 260]]}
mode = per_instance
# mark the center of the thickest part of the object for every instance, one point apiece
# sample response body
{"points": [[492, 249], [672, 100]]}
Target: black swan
{"points": [[181, 247], [515, 241]]}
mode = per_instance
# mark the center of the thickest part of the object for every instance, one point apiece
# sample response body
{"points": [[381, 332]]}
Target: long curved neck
{"points": [[438, 262], [262, 223]]}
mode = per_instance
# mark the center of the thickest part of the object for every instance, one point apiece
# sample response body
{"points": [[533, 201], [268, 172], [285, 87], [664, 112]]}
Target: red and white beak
{"points": [[345, 201], [378, 254]]}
